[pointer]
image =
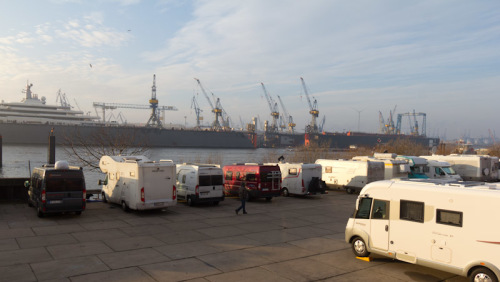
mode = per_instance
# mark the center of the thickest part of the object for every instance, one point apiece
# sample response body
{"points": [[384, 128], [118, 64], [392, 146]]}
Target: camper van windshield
{"points": [[63, 184], [449, 170]]}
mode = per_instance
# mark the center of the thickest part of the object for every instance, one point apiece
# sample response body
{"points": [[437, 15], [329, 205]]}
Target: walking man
{"points": [[243, 197]]}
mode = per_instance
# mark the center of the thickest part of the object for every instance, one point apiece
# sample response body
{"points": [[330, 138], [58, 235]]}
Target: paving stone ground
{"points": [[287, 239]]}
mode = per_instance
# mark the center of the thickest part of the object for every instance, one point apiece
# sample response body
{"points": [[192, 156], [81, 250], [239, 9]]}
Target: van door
{"points": [[380, 225]]}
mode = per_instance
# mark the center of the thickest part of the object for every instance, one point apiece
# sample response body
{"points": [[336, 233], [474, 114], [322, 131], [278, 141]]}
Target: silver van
{"points": [[57, 188]]}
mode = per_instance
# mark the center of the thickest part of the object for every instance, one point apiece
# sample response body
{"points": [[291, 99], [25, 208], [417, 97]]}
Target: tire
{"points": [[216, 203], [359, 247], [482, 274], [39, 212], [104, 200], [125, 208], [78, 213], [189, 201], [268, 199], [284, 192]]}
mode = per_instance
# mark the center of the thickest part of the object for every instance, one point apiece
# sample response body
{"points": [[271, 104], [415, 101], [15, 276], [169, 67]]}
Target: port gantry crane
{"points": [[217, 110], [414, 129], [313, 110], [197, 110], [288, 119], [273, 106], [154, 120]]}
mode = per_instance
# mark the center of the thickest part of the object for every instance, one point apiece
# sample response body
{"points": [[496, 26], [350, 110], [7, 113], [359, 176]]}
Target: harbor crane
{"points": [[273, 106], [313, 110], [154, 119], [388, 127], [414, 128], [197, 110], [217, 109], [288, 119]]}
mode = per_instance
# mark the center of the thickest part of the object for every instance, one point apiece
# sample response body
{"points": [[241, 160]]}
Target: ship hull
{"points": [[21, 133]]}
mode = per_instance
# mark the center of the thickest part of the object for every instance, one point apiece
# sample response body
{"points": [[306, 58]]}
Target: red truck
{"points": [[261, 181]]}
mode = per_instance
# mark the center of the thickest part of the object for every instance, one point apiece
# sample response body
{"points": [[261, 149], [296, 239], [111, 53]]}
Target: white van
{"points": [[350, 175], [394, 168], [470, 167], [301, 179], [136, 182], [450, 227], [197, 183], [441, 170]]}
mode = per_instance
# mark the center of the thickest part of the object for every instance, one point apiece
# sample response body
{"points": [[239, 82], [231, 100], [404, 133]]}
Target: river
{"points": [[18, 159]]}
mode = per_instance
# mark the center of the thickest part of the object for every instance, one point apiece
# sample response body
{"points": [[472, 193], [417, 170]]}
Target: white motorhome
{"points": [[470, 167], [450, 227], [136, 182], [200, 183], [394, 168], [441, 170], [351, 175], [301, 179]]}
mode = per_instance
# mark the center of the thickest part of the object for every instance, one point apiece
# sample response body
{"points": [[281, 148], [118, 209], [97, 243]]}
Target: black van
{"points": [[56, 189]]}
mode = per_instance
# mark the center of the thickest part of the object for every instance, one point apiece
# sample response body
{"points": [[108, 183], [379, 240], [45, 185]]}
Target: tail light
{"points": [[44, 198], [84, 195], [197, 190], [174, 193], [143, 198]]}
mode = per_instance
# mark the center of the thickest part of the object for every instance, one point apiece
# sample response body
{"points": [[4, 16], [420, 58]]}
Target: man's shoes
{"points": [[244, 212], [236, 211]]}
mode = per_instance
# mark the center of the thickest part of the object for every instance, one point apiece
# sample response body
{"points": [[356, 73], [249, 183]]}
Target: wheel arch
{"points": [[477, 264]]}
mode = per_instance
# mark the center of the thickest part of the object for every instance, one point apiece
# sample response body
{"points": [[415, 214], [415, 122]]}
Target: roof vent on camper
{"points": [[61, 165]]}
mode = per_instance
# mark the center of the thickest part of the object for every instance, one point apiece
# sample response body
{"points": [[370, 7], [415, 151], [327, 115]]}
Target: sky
{"points": [[359, 59]]}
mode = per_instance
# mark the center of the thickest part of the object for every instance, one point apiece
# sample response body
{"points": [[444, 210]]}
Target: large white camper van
{"points": [[441, 170], [136, 182], [451, 227], [351, 175], [200, 183], [470, 167], [394, 168], [301, 179]]}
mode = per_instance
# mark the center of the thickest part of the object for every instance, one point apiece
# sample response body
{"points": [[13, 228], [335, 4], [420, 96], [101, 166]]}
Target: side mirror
{"points": [[27, 183]]}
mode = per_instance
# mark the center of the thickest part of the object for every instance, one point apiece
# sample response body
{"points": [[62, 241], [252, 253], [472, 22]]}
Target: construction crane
{"points": [[217, 110], [313, 110], [114, 106], [288, 118], [273, 106], [197, 110], [322, 124], [387, 127]]}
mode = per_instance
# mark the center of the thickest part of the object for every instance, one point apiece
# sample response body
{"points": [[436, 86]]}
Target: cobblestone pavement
{"points": [[287, 239]]}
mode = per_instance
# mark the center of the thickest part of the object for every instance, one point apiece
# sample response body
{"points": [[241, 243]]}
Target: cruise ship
{"points": [[32, 120]]}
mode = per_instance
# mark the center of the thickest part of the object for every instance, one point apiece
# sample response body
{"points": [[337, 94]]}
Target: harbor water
{"points": [[19, 159]]}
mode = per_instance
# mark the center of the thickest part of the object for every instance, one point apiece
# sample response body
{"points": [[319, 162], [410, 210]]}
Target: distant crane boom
{"points": [[273, 107], [288, 118], [313, 110]]}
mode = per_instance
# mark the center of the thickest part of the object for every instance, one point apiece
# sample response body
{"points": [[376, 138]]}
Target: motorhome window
{"points": [[204, 180], [439, 171], [63, 184], [251, 177], [292, 171], [449, 170], [184, 179], [364, 208], [453, 218], [328, 169], [427, 169], [229, 175], [380, 209], [240, 176], [217, 180], [270, 176], [410, 210]]}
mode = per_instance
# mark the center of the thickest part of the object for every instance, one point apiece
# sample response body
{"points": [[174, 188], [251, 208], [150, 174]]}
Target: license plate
{"points": [[204, 193], [265, 189], [159, 204], [55, 202]]}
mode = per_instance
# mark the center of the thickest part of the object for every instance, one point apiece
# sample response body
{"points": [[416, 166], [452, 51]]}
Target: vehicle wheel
{"points": [[39, 212], [189, 201], [125, 208], [29, 203], [349, 190], [359, 247], [216, 203], [78, 213], [268, 199], [481, 274], [104, 200], [284, 192]]}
